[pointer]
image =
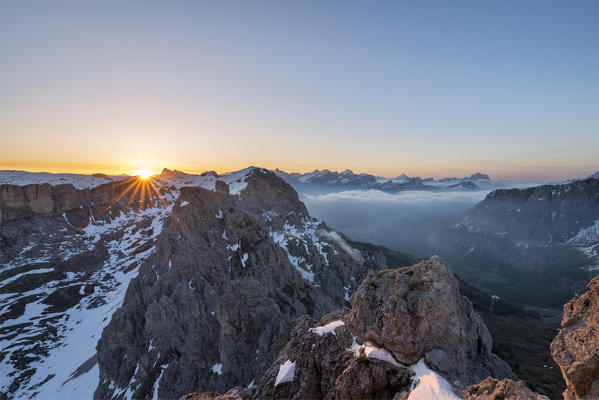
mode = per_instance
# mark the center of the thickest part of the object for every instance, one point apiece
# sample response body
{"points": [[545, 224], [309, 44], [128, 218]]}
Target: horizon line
{"points": [[134, 172]]}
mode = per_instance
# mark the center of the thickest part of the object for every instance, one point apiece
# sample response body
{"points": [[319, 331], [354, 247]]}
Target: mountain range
{"points": [[119, 287], [216, 244], [320, 181]]}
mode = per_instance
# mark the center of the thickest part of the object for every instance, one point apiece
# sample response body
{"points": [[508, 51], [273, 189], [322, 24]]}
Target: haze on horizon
{"points": [[429, 88]]}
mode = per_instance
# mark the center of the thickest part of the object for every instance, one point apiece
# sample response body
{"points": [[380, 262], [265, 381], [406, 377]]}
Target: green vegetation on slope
{"points": [[524, 344]]}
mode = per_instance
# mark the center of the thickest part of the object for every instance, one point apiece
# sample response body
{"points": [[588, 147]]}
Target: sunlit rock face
{"points": [[235, 266], [576, 347], [17, 202]]}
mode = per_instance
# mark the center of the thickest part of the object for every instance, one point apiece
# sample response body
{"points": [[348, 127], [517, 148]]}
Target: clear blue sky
{"points": [[438, 88]]}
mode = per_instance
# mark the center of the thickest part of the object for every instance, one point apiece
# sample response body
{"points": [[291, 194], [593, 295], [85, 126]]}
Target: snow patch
{"points": [[427, 384], [328, 328], [157, 382], [286, 373], [372, 351], [217, 369]]}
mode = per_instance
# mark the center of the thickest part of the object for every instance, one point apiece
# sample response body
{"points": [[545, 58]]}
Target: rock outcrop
{"points": [[408, 334], [233, 271], [323, 360], [417, 312], [507, 389], [576, 347], [233, 394]]}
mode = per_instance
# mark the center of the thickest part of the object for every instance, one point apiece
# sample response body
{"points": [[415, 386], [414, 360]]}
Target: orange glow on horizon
{"points": [[154, 167]]}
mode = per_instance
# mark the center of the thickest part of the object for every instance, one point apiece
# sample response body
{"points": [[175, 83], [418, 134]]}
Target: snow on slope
{"points": [[236, 180], [426, 383], [586, 235], [586, 241], [48, 351], [55, 356], [296, 243], [22, 178]]}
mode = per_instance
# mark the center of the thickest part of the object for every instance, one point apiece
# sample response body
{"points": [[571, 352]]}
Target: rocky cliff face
{"points": [[576, 347], [79, 205], [408, 335], [233, 270], [66, 258], [534, 246], [542, 214]]}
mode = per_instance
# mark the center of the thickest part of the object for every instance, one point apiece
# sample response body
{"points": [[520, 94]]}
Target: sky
{"points": [[427, 88]]}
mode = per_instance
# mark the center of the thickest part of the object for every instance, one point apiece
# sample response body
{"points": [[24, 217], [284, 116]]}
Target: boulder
{"points": [[417, 312]]}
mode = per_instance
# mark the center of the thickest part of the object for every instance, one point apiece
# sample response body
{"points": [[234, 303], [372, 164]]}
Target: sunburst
{"points": [[145, 173]]}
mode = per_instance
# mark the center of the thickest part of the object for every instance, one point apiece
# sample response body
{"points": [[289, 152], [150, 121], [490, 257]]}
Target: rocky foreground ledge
{"points": [[576, 347], [409, 334]]}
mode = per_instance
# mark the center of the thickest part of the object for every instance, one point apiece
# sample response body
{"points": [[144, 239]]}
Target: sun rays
{"points": [[138, 194]]}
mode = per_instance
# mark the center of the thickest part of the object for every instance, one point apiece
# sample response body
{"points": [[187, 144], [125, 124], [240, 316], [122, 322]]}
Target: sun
{"points": [[145, 173]]}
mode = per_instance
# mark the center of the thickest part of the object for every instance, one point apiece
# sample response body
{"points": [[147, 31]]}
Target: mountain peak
{"points": [[593, 176], [479, 175]]}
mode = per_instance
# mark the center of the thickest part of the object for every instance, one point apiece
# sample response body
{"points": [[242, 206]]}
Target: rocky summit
{"points": [[417, 312], [396, 317], [224, 266], [232, 272], [408, 334]]}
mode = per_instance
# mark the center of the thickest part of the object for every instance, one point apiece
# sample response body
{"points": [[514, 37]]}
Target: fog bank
{"points": [[401, 221]]}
